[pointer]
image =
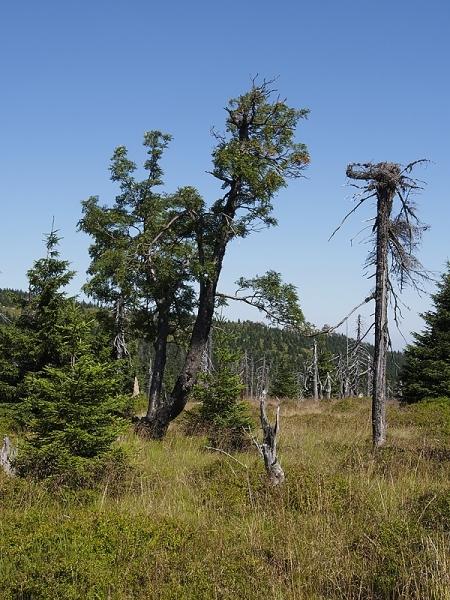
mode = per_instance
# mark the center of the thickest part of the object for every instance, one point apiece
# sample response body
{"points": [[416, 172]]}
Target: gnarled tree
{"points": [[253, 160]]}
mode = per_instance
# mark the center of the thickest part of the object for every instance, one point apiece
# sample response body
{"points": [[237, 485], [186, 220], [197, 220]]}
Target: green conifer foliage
{"points": [[68, 396], [46, 304], [224, 416], [73, 417], [285, 383], [33, 340], [426, 372]]}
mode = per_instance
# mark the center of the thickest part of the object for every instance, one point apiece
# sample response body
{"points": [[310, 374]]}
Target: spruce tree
{"points": [[67, 393], [284, 384], [46, 304], [222, 413], [73, 418], [33, 341], [72, 410], [426, 371]]}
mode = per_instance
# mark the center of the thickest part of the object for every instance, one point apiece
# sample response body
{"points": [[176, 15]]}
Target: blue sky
{"points": [[79, 78]]}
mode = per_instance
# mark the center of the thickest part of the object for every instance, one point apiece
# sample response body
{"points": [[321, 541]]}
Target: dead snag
{"points": [[8, 453], [395, 239], [268, 448]]}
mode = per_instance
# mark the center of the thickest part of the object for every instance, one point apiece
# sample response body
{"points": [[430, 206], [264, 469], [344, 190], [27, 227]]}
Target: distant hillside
{"points": [[289, 350], [12, 298], [259, 344]]}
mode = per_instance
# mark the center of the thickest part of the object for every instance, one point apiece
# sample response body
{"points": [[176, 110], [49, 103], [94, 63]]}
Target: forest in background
{"points": [[282, 357]]}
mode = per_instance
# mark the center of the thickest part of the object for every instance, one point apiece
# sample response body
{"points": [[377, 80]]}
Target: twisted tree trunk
{"points": [[157, 422]]}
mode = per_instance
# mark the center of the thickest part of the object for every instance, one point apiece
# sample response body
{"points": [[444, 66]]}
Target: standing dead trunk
{"points": [[392, 256], [369, 375], [385, 197], [385, 181], [315, 373], [357, 378], [328, 386], [7, 455], [268, 447], [207, 359]]}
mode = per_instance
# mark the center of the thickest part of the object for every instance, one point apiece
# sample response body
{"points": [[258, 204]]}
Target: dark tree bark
{"points": [[159, 364], [119, 343], [158, 421]]}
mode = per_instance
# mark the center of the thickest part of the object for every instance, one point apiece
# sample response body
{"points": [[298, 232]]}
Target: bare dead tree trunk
{"points": [[328, 386], [207, 357], [396, 239], [268, 447], [385, 179], [315, 373], [8, 453], [357, 358], [369, 374], [385, 197], [347, 365]]}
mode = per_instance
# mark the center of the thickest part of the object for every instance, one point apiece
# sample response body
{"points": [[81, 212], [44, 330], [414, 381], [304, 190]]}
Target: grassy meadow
{"points": [[186, 523]]}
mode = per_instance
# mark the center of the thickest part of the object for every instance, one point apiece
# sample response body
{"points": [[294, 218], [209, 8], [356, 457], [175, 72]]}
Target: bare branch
{"points": [[327, 330], [226, 454], [348, 214]]}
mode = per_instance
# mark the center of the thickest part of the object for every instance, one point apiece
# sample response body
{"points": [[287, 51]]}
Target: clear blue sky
{"points": [[81, 77]]}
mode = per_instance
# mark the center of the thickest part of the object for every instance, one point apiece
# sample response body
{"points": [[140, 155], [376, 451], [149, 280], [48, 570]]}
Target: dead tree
{"points": [[369, 373], [315, 368], [327, 386], [268, 448], [8, 453], [395, 240]]}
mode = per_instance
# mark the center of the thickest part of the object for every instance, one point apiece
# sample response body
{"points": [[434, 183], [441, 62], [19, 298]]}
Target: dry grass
{"points": [[190, 524]]}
